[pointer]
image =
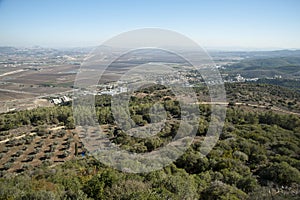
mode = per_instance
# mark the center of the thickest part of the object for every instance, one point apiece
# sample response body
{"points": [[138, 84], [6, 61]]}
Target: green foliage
{"points": [[281, 173], [255, 149], [39, 116], [221, 191]]}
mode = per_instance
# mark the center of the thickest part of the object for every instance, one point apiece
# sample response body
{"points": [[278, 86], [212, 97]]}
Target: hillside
{"points": [[256, 157]]}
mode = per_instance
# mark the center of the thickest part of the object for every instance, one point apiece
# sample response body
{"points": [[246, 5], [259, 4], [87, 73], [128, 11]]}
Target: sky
{"points": [[261, 24]]}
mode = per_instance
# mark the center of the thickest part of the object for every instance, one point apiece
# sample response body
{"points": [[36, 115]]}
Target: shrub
{"points": [[29, 158], [7, 166]]}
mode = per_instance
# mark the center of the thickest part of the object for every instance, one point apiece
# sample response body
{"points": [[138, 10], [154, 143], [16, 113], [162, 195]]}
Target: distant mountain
{"points": [[42, 51], [278, 53]]}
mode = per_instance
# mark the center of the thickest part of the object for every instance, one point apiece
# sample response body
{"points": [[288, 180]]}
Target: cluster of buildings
{"points": [[238, 78], [60, 100], [113, 91]]}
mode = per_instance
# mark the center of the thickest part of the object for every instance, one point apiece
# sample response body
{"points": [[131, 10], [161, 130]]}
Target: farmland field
{"points": [[30, 149]]}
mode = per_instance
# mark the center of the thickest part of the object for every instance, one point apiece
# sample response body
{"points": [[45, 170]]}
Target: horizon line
{"points": [[208, 48]]}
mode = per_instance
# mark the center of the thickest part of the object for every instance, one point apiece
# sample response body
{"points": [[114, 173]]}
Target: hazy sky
{"points": [[211, 23]]}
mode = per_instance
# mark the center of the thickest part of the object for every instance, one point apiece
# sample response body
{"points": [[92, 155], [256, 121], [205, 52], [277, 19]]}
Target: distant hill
{"points": [[288, 67], [7, 49], [255, 54]]}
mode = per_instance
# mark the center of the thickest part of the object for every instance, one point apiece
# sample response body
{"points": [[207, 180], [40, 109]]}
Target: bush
{"points": [[221, 191]]}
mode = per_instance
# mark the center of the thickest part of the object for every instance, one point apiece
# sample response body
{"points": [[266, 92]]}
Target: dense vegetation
{"points": [[257, 156], [287, 83]]}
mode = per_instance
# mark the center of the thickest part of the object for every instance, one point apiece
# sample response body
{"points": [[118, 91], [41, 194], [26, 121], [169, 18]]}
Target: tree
{"points": [[281, 173], [76, 149], [70, 123]]}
